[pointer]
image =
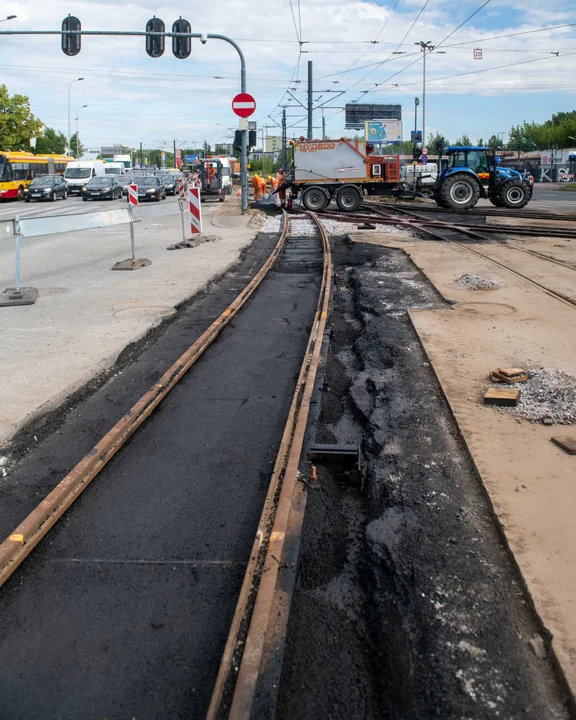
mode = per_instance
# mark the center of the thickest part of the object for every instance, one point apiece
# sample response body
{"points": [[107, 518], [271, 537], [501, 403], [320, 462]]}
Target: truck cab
{"points": [[471, 173]]}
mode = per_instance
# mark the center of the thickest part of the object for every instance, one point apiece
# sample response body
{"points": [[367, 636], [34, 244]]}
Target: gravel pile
{"points": [[477, 282], [550, 393], [306, 228]]}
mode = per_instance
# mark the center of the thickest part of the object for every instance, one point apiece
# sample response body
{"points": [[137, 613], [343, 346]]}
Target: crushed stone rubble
{"points": [[550, 395], [306, 228], [477, 282]]}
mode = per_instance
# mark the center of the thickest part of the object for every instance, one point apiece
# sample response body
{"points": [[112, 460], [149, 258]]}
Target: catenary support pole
{"points": [[310, 133], [284, 139]]}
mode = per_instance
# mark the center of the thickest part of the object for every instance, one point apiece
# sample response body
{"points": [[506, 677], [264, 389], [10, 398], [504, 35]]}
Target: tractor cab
{"points": [[471, 173], [211, 175]]}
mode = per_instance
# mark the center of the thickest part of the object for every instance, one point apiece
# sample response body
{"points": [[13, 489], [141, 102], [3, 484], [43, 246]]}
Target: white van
{"points": [[115, 168], [77, 174]]}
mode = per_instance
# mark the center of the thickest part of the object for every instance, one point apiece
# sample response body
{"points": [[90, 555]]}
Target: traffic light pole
{"points": [[203, 37]]}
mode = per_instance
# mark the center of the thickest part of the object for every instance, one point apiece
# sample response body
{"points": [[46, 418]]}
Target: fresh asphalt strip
{"points": [[123, 609]]}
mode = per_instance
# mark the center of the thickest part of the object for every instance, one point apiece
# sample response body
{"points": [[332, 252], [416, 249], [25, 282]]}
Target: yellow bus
{"points": [[17, 170]]}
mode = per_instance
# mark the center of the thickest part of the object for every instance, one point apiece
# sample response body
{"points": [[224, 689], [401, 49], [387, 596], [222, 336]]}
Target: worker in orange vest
{"points": [[281, 179], [273, 182], [256, 187], [263, 188]]}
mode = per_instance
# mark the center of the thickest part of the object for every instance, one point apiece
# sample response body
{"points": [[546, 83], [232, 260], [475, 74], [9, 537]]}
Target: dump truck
{"points": [[341, 170]]}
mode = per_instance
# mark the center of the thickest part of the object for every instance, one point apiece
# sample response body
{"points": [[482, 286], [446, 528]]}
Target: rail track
{"points": [[455, 234], [481, 211], [251, 656]]}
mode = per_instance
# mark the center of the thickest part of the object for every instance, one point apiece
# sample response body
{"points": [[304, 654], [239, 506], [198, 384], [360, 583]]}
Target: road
{"points": [[547, 198]]}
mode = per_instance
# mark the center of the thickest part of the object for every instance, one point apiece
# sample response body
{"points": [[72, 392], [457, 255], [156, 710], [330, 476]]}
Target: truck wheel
{"points": [[459, 192], [496, 202], [349, 199], [314, 199], [513, 194]]}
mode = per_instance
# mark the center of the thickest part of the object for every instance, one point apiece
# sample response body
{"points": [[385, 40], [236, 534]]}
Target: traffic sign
{"points": [[244, 105], [133, 194], [195, 210]]}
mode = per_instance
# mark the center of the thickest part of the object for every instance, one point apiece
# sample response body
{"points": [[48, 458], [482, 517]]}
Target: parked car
{"points": [[150, 187], [169, 182], [102, 188], [46, 187], [124, 181]]}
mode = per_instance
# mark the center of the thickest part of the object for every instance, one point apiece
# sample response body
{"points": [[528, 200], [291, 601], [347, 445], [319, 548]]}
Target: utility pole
{"points": [[323, 125], [174, 141], [416, 103], [425, 47], [141, 160], [284, 138], [309, 99]]}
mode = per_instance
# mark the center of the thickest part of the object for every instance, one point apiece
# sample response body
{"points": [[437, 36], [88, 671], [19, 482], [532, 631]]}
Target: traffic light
{"points": [[181, 46], [155, 43], [416, 153], [252, 138], [71, 43], [237, 142]]}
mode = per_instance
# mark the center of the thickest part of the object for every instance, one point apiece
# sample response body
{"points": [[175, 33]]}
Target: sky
{"points": [[361, 51]]}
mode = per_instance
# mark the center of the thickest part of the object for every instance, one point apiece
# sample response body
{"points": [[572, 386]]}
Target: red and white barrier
{"points": [[182, 188], [195, 210], [133, 195]]}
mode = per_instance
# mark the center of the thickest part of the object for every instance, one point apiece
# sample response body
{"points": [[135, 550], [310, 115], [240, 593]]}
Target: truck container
{"points": [[341, 170]]}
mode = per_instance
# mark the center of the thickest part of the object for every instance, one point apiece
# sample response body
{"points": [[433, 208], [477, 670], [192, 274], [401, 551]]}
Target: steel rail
{"points": [[477, 236], [17, 546], [480, 211], [265, 596]]}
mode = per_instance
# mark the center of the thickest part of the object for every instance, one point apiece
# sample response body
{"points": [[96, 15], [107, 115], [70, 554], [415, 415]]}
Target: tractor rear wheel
{"points": [[438, 200], [513, 194], [459, 192]]}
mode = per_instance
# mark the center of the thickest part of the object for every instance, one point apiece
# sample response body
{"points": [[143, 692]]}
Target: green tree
{"points": [[434, 139], [464, 140], [76, 147], [494, 142], [17, 124], [51, 141], [480, 142]]}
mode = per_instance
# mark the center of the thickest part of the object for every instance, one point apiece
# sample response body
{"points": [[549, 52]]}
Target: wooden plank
{"points": [[500, 396], [566, 442]]}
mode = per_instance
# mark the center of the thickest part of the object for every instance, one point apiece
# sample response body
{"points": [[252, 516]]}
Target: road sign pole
{"points": [[132, 245], [132, 263]]}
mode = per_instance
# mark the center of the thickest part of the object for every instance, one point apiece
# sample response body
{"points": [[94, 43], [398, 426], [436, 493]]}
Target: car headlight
{"points": [[106, 189], [83, 189], [47, 189], [149, 192]]}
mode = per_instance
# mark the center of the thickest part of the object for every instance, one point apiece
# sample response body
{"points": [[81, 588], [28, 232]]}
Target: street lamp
{"points": [[69, 86], [10, 17], [76, 118], [424, 47]]}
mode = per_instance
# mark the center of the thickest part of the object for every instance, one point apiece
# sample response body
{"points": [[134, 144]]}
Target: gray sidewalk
{"points": [[86, 314]]}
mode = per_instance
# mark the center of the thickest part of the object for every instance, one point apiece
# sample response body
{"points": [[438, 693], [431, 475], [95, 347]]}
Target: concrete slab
{"points": [[86, 315], [531, 481]]}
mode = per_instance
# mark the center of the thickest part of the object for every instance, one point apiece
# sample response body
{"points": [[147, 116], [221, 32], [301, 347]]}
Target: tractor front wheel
{"points": [[513, 194], [459, 192]]}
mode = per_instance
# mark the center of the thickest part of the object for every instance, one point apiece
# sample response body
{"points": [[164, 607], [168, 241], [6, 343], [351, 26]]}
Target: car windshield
{"points": [[124, 180], [148, 181], [42, 182], [78, 172], [167, 180], [100, 181]]}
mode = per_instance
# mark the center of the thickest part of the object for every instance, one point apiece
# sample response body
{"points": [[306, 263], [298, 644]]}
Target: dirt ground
{"points": [[409, 605]]}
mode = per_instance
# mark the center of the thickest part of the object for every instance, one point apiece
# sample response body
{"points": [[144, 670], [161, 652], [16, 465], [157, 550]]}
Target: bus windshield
{"points": [[78, 172], [4, 169]]}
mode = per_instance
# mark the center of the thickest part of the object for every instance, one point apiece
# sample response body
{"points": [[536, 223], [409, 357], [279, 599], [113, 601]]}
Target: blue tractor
{"points": [[471, 173]]}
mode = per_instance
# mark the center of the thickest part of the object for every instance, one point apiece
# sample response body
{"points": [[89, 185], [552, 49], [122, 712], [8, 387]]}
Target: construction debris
{"points": [[509, 375], [499, 396], [566, 442], [477, 282], [549, 394]]}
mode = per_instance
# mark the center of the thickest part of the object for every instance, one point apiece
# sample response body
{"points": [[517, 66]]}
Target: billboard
{"points": [[359, 114], [386, 131]]}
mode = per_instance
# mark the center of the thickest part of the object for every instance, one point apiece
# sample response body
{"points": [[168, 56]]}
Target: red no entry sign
{"points": [[244, 105]]}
